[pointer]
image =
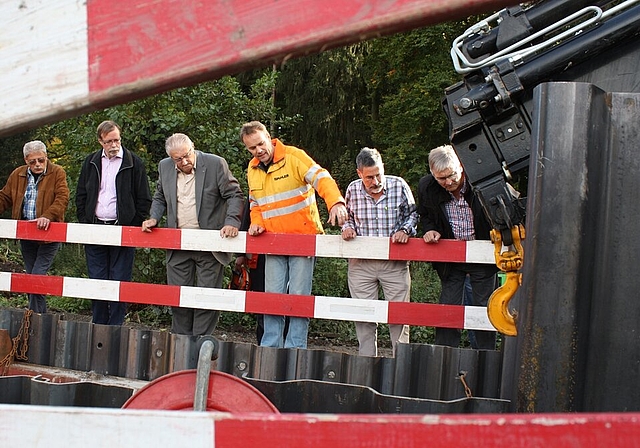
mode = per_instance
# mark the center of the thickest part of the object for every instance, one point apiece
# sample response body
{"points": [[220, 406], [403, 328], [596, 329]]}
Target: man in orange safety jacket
{"points": [[282, 184]]}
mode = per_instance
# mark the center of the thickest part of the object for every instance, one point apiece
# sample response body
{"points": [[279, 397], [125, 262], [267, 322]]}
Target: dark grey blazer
{"points": [[219, 199]]}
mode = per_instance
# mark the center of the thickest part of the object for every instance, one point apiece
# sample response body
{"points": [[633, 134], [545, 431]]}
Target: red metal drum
{"points": [[175, 392]]}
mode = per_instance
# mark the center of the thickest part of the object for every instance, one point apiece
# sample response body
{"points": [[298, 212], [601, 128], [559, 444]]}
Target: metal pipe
{"points": [[202, 375]]}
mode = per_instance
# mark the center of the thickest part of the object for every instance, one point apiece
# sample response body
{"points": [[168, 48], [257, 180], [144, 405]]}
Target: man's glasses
{"points": [[111, 142], [39, 160], [180, 159]]}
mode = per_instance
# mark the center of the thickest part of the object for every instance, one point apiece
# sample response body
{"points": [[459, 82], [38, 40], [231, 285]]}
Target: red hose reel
{"points": [[175, 392]]}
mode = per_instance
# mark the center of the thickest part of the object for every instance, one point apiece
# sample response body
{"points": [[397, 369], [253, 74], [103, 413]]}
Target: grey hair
{"points": [[368, 157], [33, 146], [178, 141], [443, 158]]}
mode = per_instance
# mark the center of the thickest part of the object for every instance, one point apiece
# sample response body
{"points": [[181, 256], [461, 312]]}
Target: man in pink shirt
{"points": [[113, 189]]}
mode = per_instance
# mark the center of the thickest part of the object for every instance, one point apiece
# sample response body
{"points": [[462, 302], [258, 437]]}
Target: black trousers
{"points": [[483, 282]]}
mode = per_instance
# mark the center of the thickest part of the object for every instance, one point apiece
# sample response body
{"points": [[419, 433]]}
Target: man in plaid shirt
{"points": [[381, 206]]}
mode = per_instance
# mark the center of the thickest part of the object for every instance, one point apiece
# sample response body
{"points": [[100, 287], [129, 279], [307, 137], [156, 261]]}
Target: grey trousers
{"points": [[194, 268], [365, 279]]}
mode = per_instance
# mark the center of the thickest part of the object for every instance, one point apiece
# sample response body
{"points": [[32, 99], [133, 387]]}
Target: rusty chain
{"points": [[467, 389], [21, 341]]}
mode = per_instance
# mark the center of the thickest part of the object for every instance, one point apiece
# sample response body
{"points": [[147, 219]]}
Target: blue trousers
{"points": [[468, 300], [38, 258], [295, 275], [109, 263]]}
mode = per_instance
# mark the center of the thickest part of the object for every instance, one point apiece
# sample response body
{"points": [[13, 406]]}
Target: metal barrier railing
{"points": [[319, 307]]}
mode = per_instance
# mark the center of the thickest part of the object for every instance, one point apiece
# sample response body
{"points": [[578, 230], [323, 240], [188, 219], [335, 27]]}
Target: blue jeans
{"points": [[468, 300], [38, 258], [282, 274], [109, 263]]}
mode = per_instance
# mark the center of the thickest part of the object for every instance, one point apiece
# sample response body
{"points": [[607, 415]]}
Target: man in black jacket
{"points": [[449, 209], [113, 189]]}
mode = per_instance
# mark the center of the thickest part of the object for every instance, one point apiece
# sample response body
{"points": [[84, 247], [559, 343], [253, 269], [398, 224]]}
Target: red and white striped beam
{"points": [[59, 59], [71, 427], [319, 307], [327, 246]]}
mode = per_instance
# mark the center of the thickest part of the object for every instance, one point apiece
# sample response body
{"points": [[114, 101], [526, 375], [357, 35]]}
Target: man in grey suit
{"points": [[197, 191]]}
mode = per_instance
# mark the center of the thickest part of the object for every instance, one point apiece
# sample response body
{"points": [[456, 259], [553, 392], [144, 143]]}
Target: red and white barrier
{"points": [[70, 427], [331, 246], [334, 308], [320, 307]]}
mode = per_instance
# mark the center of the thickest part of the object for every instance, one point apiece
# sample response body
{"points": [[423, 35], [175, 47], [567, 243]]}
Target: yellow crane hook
{"points": [[510, 261]]}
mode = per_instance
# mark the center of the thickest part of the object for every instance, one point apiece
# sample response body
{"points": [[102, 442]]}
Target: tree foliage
{"points": [[384, 93], [407, 75], [328, 93], [209, 113]]}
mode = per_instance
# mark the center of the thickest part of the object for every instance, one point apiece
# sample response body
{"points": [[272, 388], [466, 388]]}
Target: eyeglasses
{"points": [[451, 176], [180, 159], [111, 142], [39, 160]]}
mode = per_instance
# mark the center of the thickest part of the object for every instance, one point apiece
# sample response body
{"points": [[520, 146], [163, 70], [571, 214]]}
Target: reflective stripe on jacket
{"points": [[283, 198]]}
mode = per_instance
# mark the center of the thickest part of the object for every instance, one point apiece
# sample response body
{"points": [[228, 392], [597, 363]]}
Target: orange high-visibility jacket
{"points": [[283, 198]]}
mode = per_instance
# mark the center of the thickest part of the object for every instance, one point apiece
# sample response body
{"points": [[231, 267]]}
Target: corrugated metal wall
{"points": [[418, 376], [578, 347]]}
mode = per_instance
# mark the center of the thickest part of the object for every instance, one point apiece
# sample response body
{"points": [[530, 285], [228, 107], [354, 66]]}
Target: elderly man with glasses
{"points": [[113, 189], [197, 191], [37, 192], [449, 208]]}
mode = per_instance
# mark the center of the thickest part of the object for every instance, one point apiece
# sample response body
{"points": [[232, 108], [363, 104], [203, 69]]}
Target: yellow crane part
{"points": [[509, 261]]}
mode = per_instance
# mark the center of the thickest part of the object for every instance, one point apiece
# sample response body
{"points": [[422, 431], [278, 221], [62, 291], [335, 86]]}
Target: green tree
{"points": [[328, 93], [384, 93], [406, 77], [210, 113]]}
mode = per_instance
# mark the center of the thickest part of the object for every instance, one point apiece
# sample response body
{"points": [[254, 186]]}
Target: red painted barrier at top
{"points": [[85, 56], [172, 41]]}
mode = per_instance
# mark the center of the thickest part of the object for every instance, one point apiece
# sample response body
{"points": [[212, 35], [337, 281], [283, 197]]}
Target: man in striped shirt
{"points": [[381, 206], [449, 209]]}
